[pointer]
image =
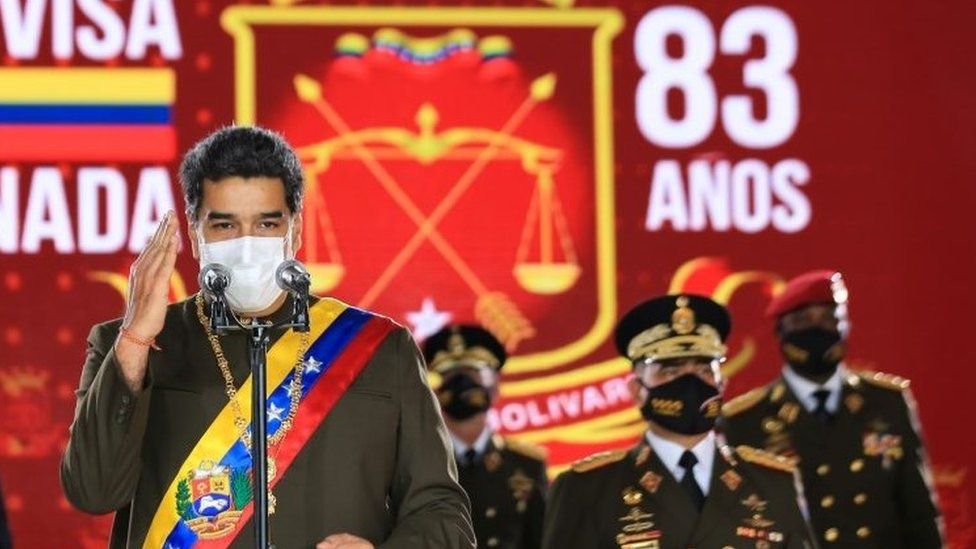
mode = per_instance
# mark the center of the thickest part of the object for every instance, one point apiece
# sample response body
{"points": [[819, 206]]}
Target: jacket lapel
{"points": [[723, 491], [852, 421], [676, 513], [804, 430]]}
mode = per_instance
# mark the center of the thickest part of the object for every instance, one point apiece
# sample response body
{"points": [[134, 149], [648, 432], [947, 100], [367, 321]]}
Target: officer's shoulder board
{"points": [[526, 449], [883, 380], [766, 459], [597, 460], [744, 401]]}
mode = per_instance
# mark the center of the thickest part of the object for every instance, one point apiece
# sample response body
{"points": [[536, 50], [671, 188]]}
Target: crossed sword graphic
{"points": [[494, 309]]}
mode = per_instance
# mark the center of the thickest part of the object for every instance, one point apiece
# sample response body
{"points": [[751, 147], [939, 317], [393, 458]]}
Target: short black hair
{"points": [[241, 151]]}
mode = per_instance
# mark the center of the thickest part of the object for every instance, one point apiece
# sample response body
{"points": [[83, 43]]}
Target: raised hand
{"points": [[149, 279], [145, 308]]}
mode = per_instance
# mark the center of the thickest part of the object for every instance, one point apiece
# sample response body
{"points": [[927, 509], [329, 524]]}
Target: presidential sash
{"points": [[209, 501]]}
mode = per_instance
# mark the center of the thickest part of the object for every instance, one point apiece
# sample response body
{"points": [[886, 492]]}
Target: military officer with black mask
{"points": [[681, 486], [855, 433], [505, 478]]}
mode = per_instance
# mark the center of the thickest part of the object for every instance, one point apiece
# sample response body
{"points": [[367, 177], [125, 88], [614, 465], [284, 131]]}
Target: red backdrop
{"points": [[540, 171]]}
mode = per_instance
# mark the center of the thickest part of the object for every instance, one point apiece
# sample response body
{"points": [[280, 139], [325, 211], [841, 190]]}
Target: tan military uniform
{"points": [[507, 487], [866, 474], [629, 500], [378, 467]]}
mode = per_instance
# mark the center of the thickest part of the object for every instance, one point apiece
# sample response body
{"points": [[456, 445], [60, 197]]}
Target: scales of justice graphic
{"points": [[495, 127], [551, 271]]}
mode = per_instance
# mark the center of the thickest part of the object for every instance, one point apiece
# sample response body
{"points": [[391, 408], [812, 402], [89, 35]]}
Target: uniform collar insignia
{"points": [[492, 461], [651, 481], [854, 402], [789, 411], [731, 479], [642, 455]]}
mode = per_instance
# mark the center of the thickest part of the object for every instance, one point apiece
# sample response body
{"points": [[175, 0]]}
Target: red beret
{"points": [[806, 289]]}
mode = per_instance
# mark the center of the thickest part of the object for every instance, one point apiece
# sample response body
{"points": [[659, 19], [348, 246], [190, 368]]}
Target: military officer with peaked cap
{"points": [[505, 478], [681, 486], [854, 433]]}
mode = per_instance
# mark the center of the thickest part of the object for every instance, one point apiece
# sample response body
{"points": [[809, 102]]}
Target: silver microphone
{"points": [[214, 278], [293, 277]]}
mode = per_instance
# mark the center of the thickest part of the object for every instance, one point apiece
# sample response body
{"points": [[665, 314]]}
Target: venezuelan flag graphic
{"points": [[87, 114]]}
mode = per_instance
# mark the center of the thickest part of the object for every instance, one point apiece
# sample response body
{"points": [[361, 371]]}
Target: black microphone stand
{"points": [[223, 321]]}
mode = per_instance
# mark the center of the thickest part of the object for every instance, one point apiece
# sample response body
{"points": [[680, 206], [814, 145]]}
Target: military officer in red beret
{"points": [[681, 486], [505, 478], [855, 434]]}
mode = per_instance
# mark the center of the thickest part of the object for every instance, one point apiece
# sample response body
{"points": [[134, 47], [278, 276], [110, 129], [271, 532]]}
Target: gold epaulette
{"points": [[744, 401], [526, 449], [597, 460], [883, 380], [766, 459]]}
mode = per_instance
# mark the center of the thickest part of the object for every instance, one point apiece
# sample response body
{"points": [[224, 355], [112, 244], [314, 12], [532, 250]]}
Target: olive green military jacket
{"points": [[629, 500], [507, 487], [379, 466], [865, 473]]}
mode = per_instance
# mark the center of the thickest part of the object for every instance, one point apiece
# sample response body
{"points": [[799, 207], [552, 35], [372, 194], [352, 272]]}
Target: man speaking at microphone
{"points": [[358, 453]]}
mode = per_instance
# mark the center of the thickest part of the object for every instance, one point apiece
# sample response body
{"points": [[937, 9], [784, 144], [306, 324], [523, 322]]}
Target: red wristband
{"points": [[128, 335]]}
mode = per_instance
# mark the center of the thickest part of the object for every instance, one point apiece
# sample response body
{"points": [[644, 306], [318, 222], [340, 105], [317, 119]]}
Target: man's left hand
{"points": [[344, 541]]}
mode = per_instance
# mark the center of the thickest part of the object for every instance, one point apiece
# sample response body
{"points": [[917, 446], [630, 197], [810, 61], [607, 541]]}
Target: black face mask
{"points": [[462, 397], [686, 405], [813, 352]]}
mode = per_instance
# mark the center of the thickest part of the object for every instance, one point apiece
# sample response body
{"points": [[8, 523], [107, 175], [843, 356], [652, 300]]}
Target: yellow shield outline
{"points": [[240, 21]]}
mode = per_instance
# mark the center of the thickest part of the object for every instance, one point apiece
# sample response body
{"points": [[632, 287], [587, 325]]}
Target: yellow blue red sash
{"points": [[209, 501]]}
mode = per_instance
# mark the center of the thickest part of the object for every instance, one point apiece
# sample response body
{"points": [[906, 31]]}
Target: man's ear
{"points": [[296, 233], [495, 382], [191, 235], [634, 388]]}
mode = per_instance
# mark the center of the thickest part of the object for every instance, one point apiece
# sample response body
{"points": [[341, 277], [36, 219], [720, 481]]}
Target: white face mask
{"points": [[252, 262]]}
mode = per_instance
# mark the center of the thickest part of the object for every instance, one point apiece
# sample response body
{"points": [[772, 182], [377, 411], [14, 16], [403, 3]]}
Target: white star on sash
{"points": [[312, 366], [274, 413]]}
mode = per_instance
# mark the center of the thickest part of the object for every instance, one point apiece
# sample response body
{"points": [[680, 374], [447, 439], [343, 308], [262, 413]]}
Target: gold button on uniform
{"points": [[823, 469], [831, 534], [492, 542], [827, 501], [857, 465], [863, 532], [860, 498], [490, 512]]}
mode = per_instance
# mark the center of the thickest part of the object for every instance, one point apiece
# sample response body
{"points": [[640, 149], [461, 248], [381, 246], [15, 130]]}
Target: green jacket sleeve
{"points": [[532, 537], [431, 509], [100, 466], [567, 523], [801, 533], [921, 523]]}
